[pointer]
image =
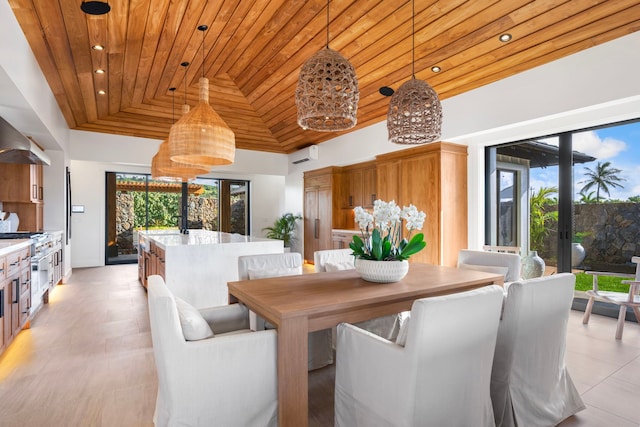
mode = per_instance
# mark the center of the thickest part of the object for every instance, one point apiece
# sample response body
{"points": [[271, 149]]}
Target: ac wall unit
{"points": [[304, 155]]}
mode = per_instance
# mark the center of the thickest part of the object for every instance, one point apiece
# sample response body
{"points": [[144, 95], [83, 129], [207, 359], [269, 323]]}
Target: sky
{"points": [[619, 145]]}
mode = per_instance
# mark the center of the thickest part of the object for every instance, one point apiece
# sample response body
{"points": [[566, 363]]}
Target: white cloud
{"points": [[591, 144]]}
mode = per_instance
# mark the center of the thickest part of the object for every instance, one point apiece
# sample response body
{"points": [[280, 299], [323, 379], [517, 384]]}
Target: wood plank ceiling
{"points": [[255, 48]]}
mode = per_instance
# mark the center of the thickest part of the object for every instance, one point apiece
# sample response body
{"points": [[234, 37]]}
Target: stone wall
{"points": [[611, 235]]}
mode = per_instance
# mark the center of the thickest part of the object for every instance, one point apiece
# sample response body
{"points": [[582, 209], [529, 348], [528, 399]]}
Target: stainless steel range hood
{"points": [[17, 148]]}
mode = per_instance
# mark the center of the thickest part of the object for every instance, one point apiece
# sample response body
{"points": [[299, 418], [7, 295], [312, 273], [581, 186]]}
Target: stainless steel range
{"points": [[45, 256]]}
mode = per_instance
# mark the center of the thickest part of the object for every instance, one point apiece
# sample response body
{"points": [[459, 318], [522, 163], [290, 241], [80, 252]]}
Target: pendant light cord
{"points": [[413, 38], [327, 24]]}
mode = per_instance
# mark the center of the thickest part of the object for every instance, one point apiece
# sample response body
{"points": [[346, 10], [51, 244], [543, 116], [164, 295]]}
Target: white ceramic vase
{"points": [[382, 271], [532, 266], [577, 254]]}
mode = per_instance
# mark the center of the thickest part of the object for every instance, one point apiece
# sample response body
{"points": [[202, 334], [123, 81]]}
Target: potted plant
{"points": [[382, 253], [283, 228]]}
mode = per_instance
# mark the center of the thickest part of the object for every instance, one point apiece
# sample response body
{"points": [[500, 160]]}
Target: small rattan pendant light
{"points": [[327, 93], [201, 137], [415, 113]]}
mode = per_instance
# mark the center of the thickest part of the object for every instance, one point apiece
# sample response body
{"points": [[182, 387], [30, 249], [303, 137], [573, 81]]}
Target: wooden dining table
{"points": [[300, 304]]}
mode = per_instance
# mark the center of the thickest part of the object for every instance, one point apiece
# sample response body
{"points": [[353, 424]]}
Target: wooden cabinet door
{"points": [[3, 313], [17, 180], [324, 216], [354, 189], [388, 180], [369, 187], [311, 231]]}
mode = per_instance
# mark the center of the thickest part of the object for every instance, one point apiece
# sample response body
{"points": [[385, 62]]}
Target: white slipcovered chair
{"points": [[343, 259], [530, 384], [624, 300], [264, 266], [507, 264], [439, 377], [227, 379]]}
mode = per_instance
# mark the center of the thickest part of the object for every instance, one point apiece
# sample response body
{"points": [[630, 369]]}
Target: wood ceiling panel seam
{"points": [[57, 43], [526, 46], [136, 30], [177, 33], [250, 39], [270, 41], [270, 64], [117, 24], [31, 26], [154, 23]]}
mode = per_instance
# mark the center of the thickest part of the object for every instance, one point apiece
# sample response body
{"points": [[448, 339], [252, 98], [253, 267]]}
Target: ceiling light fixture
{"points": [[201, 137], [415, 113], [506, 37], [97, 47], [95, 7], [99, 71], [162, 167], [436, 69], [101, 92], [327, 93]]}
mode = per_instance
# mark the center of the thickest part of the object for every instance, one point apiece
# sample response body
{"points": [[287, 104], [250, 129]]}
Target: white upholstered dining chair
{"points": [[212, 369], [264, 266], [507, 264], [343, 259], [437, 374], [530, 384], [624, 300]]}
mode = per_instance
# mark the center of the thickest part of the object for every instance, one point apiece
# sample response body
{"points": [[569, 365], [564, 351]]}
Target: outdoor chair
{"points": [[624, 300]]}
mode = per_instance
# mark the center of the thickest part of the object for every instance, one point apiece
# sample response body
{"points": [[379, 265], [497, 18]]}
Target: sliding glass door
{"points": [[137, 202]]}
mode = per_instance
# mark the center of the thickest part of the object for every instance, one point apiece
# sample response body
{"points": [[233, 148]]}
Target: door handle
{"points": [[1, 303], [316, 231], [16, 287]]}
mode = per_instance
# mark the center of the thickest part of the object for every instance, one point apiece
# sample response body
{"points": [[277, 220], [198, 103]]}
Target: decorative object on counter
{"points": [[283, 228], [201, 137], [577, 250], [327, 93], [415, 113], [532, 266], [382, 241]]}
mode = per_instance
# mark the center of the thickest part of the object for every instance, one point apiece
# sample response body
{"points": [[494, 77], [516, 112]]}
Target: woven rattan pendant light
{"points": [[327, 93], [415, 113], [201, 137], [162, 167]]}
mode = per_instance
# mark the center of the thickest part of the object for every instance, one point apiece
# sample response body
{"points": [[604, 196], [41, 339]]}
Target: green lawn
{"points": [[584, 282]]}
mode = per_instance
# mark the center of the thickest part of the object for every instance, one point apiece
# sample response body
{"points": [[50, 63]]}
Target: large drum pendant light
{"points": [[415, 113], [327, 93], [201, 137], [162, 167]]}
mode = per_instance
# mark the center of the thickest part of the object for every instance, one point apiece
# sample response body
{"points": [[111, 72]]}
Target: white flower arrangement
{"points": [[382, 232]]}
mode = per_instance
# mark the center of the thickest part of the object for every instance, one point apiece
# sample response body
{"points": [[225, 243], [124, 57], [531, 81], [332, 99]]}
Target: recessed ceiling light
{"points": [[99, 71], [101, 92], [95, 7], [97, 47], [386, 91], [506, 37], [436, 69]]}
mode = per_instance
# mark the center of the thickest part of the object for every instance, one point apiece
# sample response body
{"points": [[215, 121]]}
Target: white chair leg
{"points": [[587, 311], [621, 317]]}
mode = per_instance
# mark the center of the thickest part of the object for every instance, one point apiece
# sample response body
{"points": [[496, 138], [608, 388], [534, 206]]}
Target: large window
{"points": [[137, 202]]}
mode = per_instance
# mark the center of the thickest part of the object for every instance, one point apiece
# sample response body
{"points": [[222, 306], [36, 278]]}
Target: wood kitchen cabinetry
{"points": [[321, 209], [23, 194], [358, 185], [433, 178], [15, 293]]}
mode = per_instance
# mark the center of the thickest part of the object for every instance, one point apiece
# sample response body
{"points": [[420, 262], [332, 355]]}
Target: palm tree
{"points": [[541, 219], [587, 198], [603, 177]]}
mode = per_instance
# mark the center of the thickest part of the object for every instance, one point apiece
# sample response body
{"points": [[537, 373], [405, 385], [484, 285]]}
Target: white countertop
{"points": [[337, 230], [10, 245], [166, 238]]}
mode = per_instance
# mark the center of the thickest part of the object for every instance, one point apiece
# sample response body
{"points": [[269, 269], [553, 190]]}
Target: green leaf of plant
{"points": [[415, 245]]}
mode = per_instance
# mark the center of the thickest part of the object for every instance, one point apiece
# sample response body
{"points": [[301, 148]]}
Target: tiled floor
{"points": [[87, 361]]}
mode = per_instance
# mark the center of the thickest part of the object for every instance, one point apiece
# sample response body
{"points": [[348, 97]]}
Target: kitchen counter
{"points": [[197, 266], [10, 245]]}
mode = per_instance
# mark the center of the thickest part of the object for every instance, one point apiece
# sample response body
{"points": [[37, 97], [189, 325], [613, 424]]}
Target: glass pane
{"points": [[204, 205], [507, 200], [239, 196]]}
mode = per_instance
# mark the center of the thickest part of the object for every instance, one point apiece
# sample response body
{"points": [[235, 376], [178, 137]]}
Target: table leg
{"points": [[293, 381]]}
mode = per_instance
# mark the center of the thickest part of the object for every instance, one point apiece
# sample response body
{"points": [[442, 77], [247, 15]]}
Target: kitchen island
{"points": [[197, 266]]}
